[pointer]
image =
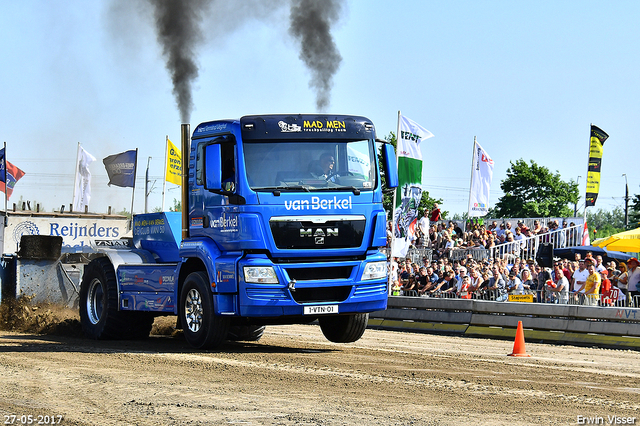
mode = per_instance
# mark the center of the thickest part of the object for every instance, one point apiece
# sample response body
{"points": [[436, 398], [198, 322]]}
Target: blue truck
{"points": [[281, 223]]}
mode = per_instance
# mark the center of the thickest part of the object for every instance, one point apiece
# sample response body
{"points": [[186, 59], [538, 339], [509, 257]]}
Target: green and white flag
{"points": [[409, 191]]}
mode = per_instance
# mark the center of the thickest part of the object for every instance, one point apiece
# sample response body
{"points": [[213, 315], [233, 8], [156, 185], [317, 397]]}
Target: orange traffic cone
{"points": [[518, 345]]}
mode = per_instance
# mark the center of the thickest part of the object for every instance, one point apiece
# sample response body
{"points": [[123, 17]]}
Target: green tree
{"points": [[634, 212], [426, 202], [387, 193], [177, 206], [124, 212], [605, 223], [533, 191], [29, 205]]}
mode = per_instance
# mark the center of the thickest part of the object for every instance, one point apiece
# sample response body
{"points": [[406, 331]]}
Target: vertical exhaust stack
{"points": [[185, 134]]}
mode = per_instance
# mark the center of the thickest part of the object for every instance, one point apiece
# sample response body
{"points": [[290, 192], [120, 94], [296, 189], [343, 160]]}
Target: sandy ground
{"points": [[293, 376]]}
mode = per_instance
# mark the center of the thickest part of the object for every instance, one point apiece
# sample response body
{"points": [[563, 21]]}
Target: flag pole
{"points": [[4, 160], [164, 181], [473, 156], [395, 193], [586, 181], [133, 190], [75, 180], [146, 187]]}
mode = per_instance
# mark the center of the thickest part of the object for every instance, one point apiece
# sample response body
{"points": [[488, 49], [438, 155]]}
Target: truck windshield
{"points": [[310, 166]]}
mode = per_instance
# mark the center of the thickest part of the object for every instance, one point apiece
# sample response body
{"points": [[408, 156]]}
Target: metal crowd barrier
{"points": [[539, 296], [527, 248], [415, 254], [548, 322], [476, 254]]}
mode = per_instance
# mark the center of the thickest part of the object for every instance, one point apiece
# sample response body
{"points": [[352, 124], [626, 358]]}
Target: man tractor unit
{"points": [[281, 223]]}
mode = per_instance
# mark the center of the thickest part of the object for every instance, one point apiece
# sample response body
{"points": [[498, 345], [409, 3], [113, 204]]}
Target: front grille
{"points": [[321, 294], [267, 294], [365, 290], [318, 232], [310, 274]]}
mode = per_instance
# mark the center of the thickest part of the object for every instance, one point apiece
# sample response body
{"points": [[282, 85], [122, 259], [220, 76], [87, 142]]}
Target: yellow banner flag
{"points": [[174, 164], [598, 136]]}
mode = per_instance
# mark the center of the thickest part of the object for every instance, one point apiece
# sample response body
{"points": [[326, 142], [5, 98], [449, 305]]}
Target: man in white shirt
{"points": [[423, 224], [580, 276]]}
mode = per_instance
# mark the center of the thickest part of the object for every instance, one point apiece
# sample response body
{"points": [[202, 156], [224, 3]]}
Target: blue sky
{"points": [[525, 78]]}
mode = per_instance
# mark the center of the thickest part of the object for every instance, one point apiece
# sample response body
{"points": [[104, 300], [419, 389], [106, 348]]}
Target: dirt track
{"points": [[293, 376]]}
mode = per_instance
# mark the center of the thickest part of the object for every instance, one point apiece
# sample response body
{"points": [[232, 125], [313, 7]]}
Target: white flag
{"points": [[411, 134], [82, 191], [481, 176]]}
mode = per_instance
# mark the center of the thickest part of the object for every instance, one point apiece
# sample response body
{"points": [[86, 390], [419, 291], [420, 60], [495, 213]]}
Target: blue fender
{"points": [[222, 269]]}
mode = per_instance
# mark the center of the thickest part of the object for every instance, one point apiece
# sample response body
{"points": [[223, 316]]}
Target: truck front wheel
{"points": [[344, 328], [202, 328]]}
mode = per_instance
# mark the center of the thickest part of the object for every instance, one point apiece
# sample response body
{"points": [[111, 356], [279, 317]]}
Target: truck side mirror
{"points": [[212, 168], [390, 165]]}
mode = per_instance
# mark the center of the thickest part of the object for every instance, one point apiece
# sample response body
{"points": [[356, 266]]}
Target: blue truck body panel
{"points": [[317, 234]]}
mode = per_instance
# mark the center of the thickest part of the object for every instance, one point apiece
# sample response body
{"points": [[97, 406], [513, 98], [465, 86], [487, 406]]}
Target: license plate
{"points": [[320, 310]]}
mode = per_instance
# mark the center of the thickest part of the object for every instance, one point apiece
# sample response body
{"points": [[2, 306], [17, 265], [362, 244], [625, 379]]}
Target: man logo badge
{"points": [[319, 234]]}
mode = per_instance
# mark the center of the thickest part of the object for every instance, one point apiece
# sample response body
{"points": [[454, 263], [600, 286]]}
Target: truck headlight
{"points": [[260, 275], [375, 270]]}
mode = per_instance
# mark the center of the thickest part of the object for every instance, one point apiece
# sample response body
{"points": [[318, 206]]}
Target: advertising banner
{"points": [[409, 191], [481, 176], [76, 232], [598, 136]]}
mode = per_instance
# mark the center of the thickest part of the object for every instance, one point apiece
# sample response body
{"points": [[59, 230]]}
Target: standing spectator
{"points": [[632, 281], [422, 281], [542, 276], [423, 223], [428, 281], [519, 237], [475, 280], [508, 225], [463, 289], [572, 235], [446, 282], [592, 286], [435, 213], [580, 276], [537, 228], [497, 285], [605, 289], [514, 285], [561, 286], [623, 277], [527, 280]]}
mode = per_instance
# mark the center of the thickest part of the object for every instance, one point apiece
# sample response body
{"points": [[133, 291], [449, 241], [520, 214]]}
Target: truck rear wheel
{"points": [[99, 314], [246, 333], [202, 328], [344, 328]]}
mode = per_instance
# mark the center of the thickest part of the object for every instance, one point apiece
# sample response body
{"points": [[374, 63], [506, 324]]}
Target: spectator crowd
{"points": [[586, 281], [444, 237]]}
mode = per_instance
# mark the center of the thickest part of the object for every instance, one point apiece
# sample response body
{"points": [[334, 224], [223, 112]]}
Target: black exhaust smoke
{"points": [[178, 30], [310, 24]]}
